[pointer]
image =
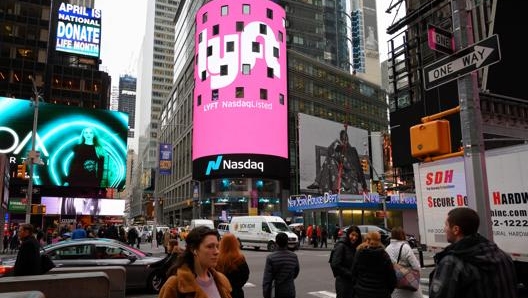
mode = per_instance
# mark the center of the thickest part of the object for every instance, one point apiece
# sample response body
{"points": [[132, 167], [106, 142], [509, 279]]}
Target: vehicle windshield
{"points": [[279, 226]]}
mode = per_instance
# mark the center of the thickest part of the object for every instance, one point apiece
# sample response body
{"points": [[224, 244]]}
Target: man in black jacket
{"points": [[282, 267], [28, 257]]}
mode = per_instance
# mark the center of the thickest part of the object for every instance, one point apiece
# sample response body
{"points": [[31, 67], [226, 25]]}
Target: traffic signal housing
{"points": [[430, 139], [21, 171]]}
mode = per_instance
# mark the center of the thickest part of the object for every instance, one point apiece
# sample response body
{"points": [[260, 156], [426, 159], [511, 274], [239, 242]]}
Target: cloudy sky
{"points": [[123, 23]]}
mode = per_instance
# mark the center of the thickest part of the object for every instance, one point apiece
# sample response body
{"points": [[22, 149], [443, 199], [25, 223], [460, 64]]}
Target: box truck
{"points": [[441, 186], [260, 231]]}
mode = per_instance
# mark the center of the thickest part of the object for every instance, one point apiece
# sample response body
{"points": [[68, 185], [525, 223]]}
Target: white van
{"points": [[201, 222], [260, 231]]}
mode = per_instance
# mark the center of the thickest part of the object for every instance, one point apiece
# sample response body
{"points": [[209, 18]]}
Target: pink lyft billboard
{"points": [[240, 96]]}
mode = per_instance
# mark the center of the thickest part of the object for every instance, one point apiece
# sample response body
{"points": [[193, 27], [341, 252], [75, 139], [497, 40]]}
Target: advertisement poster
{"points": [[74, 147]]}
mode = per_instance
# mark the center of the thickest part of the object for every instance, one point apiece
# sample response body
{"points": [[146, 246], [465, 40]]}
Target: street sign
{"points": [[440, 40], [481, 54]]}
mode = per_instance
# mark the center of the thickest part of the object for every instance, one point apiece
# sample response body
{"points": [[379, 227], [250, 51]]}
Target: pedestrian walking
{"points": [[232, 263], [196, 275], [336, 233], [5, 243], [324, 237], [373, 275], [341, 260], [28, 257], [280, 271], [471, 266], [401, 252]]}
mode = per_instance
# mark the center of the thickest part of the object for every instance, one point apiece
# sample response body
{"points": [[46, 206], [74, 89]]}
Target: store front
{"points": [[370, 209], [228, 197]]}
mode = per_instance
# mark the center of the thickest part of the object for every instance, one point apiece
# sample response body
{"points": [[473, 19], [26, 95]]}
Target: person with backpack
{"points": [[341, 260]]}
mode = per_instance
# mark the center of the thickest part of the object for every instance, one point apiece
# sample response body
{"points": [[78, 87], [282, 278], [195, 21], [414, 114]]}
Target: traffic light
{"points": [[21, 171], [365, 165]]}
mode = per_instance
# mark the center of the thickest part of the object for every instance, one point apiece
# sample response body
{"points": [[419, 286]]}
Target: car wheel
{"points": [[155, 281], [272, 246]]}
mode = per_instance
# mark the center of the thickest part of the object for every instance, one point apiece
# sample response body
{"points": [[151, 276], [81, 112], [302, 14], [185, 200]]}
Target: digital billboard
{"points": [[78, 147], [78, 30], [240, 96], [83, 206], [330, 156]]}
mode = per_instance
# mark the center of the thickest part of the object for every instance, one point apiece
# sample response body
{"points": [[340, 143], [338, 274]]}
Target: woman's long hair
{"points": [[97, 145], [230, 255], [193, 240]]}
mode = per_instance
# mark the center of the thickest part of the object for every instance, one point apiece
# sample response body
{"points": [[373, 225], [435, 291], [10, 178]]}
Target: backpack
{"points": [[334, 272]]}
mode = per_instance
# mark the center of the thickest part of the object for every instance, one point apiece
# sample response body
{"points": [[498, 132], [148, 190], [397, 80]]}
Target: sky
{"points": [[123, 23]]}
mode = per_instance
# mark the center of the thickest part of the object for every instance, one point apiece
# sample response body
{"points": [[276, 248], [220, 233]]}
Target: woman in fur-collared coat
{"points": [[194, 275]]}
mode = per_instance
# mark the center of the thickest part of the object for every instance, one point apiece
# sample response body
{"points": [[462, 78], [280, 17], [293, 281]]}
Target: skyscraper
{"points": [[126, 100], [155, 71]]}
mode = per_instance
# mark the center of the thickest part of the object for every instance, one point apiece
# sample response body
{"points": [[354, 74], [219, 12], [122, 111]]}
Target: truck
{"points": [[260, 231], [441, 186]]}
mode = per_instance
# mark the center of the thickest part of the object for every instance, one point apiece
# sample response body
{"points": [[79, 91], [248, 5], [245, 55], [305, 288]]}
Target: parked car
{"points": [[140, 274]]}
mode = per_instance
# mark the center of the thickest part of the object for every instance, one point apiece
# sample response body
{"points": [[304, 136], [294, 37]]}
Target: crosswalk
{"points": [[318, 294], [327, 294]]}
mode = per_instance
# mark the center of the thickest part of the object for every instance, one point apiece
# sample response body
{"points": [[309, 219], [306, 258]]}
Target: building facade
{"points": [[315, 87]]}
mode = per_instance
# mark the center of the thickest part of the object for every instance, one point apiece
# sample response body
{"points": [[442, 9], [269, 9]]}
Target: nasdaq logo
{"points": [[213, 165], [233, 165]]}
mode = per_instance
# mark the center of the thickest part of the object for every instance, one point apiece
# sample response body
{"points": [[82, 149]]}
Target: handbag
{"points": [[46, 264], [407, 278]]}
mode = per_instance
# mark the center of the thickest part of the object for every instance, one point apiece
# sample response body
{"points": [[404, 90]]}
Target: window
{"points": [[255, 47], [216, 29], [281, 99], [275, 52], [269, 13], [239, 26], [214, 94], [263, 29], [199, 37], [204, 18], [223, 70], [270, 72], [199, 100], [224, 10], [246, 69], [204, 75], [280, 36], [230, 46], [264, 94], [239, 93], [246, 9], [73, 252], [209, 51]]}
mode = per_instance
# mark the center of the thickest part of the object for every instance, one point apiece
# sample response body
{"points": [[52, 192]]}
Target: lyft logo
{"points": [[241, 54]]}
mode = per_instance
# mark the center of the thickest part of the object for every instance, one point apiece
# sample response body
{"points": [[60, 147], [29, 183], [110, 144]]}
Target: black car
{"points": [[140, 270]]}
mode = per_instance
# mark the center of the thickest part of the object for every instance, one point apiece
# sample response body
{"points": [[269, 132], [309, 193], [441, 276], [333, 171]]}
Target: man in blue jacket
{"points": [[282, 267]]}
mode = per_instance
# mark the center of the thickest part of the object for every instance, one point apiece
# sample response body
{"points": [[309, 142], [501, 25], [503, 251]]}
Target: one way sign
{"points": [[483, 53]]}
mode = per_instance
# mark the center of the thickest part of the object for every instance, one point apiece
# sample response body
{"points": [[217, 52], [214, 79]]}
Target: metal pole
{"points": [[471, 125], [32, 154]]}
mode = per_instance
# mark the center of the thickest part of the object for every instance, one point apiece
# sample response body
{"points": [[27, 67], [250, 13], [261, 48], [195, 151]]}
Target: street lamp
{"points": [[33, 156]]}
